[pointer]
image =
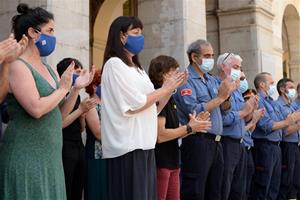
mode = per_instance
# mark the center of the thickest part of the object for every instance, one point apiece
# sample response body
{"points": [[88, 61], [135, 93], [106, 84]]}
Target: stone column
{"points": [[246, 29], [8, 8], [170, 26], [72, 30], [71, 21]]}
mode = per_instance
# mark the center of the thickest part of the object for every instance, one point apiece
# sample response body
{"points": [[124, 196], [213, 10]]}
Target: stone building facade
{"points": [[266, 33]]}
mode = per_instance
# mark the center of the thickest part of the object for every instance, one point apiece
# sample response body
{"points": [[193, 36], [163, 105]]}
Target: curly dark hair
{"points": [[96, 81], [160, 66]]}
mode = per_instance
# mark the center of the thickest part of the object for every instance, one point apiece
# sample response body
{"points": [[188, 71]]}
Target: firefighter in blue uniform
{"points": [[234, 130], [267, 137], [290, 174], [202, 154]]}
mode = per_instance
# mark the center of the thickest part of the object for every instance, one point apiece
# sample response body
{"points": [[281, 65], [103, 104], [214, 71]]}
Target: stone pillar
{"points": [[72, 26], [8, 9], [246, 29], [170, 26], [72, 30]]}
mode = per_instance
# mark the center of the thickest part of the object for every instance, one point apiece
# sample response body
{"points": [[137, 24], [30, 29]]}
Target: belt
{"points": [[267, 141], [294, 143], [211, 136], [235, 140]]}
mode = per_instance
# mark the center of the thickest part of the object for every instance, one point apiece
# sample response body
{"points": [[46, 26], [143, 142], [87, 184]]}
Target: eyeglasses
{"points": [[226, 57]]}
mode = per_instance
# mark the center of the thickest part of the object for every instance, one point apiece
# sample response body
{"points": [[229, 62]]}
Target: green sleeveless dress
{"points": [[31, 150]]}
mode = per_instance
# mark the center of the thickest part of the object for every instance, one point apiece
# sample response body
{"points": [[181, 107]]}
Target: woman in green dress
{"points": [[31, 161]]}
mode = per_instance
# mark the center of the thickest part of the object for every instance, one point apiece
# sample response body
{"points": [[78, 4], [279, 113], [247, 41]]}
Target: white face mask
{"points": [[272, 90], [207, 65], [291, 94], [235, 74]]}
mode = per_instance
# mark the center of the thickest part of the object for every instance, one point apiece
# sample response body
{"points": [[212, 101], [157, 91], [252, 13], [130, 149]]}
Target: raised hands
{"points": [[87, 104], [293, 117], [258, 114], [10, 49], [174, 79], [201, 122], [85, 78], [203, 116], [66, 77], [227, 86]]}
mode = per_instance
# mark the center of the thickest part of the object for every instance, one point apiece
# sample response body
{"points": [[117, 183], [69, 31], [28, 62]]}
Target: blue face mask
{"points": [[243, 86], [135, 44], [75, 76], [46, 44], [207, 65], [98, 91]]}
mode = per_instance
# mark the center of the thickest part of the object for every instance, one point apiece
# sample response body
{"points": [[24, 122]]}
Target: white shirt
{"points": [[125, 88]]}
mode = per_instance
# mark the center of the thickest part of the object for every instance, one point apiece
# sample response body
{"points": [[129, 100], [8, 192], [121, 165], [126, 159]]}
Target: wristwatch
{"points": [[189, 129]]}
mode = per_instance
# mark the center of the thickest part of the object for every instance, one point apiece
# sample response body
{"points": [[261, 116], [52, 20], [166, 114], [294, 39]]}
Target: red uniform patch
{"points": [[186, 92]]}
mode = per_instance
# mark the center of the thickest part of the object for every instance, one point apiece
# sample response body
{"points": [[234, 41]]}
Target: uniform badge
{"points": [[186, 92]]}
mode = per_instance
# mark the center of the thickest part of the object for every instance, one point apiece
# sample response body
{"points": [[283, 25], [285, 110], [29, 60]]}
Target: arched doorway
{"points": [[102, 14], [291, 43]]}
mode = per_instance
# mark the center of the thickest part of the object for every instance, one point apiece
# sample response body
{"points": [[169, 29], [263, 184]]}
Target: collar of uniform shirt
{"points": [[193, 74], [280, 98], [264, 95]]}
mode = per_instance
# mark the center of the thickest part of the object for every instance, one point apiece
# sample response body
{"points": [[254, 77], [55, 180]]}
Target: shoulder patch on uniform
{"points": [[186, 92]]}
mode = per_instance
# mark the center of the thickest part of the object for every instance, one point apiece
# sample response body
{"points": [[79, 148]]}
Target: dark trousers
{"points": [[250, 168], [132, 176], [234, 169], [266, 180], [202, 168], [290, 177], [73, 155]]}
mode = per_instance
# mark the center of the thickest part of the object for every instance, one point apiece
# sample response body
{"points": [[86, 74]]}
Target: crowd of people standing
{"points": [[171, 133]]}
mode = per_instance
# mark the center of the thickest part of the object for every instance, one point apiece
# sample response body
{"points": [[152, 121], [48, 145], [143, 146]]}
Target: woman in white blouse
{"points": [[130, 105]]}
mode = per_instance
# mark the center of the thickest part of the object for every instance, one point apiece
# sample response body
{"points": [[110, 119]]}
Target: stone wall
{"points": [[72, 26], [169, 27]]}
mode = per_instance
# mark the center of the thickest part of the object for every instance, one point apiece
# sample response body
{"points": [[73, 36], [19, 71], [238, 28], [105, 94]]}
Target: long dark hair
{"points": [[29, 17], [114, 46]]}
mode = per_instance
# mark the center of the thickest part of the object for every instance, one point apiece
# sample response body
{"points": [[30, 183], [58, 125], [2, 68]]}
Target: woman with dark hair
{"points": [[73, 153], [167, 148], [96, 181], [129, 113], [31, 161]]}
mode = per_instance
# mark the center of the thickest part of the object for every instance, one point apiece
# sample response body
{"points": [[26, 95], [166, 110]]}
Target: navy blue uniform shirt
{"points": [[272, 114], [193, 96]]}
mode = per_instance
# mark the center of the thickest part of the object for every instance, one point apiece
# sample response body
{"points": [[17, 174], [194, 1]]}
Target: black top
{"points": [[73, 132], [167, 153]]}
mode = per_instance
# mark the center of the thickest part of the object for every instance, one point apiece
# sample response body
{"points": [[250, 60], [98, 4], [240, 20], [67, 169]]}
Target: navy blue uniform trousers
{"points": [[202, 168], [233, 187], [266, 180], [290, 177]]}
